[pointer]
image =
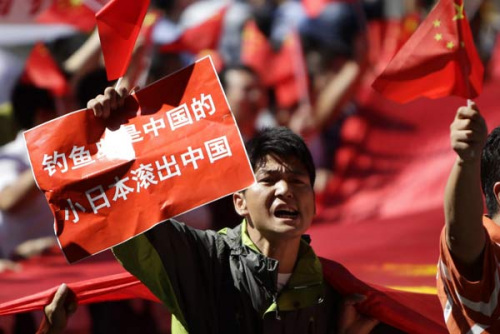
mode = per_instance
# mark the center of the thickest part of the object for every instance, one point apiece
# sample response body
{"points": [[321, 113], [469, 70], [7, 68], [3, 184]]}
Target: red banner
{"points": [[174, 146], [411, 312]]}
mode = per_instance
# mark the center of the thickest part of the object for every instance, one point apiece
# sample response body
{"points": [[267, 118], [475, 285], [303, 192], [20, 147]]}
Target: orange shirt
{"points": [[471, 307]]}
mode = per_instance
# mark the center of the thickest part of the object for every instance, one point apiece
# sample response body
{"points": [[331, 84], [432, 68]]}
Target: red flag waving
{"points": [[438, 60], [74, 13], [42, 71], [204, 36], [119, 23], [283, 69]]}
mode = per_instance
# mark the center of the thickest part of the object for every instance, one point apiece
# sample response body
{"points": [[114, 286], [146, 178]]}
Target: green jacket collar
{"points": [[305, 287]]}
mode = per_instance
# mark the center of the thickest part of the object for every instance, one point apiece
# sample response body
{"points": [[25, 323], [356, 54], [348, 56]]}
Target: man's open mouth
{"points": [[286, 213]]}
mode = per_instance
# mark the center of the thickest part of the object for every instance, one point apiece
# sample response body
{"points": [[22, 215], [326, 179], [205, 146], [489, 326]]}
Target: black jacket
{"points": [[218, 282]]}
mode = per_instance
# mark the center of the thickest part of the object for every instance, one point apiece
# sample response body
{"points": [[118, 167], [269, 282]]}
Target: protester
{"points": [[261, 276], [468, 274], [246, 97], [335, 49], [26, 223], [24, 213]]}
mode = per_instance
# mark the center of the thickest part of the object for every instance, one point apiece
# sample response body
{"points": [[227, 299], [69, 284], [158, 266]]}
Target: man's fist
{"points": [[112, 99], [468, 133], [62, 306]]}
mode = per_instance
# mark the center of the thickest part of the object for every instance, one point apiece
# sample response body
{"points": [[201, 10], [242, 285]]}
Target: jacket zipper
{"points": [[275, 301], [298, 287]]}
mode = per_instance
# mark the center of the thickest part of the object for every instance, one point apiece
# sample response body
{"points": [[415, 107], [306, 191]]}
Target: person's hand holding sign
{"points": [[112, 99]]}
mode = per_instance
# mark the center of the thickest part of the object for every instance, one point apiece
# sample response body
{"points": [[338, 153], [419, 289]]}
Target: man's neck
{"points": [[285, 251]]}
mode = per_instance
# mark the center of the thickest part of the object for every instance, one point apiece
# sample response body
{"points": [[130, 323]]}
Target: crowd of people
{"points": [[292, 147]]}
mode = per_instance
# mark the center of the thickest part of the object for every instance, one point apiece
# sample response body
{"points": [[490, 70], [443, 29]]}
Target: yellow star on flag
{"points": [[450, 45], [459, 12], [436, 23], [438, 37]]}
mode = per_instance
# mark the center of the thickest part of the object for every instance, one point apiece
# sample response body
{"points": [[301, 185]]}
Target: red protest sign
{"points": [[174, 146]]}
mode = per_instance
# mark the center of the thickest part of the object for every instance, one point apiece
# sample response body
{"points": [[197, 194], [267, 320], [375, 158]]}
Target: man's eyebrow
{"points": [[299, 172]]}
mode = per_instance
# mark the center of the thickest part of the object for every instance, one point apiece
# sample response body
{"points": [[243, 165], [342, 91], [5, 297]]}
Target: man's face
{"points": [[281, 203], [244, 95]]}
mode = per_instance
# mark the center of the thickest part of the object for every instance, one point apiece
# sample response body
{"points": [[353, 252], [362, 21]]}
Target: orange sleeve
{"points": [[469, 304]]}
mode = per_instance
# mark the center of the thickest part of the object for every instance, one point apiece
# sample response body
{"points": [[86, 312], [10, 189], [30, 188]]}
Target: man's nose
{"points": [[283, 188]]}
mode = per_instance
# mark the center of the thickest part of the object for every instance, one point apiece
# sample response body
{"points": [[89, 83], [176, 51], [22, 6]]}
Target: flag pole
{"points": [[118, 82]]}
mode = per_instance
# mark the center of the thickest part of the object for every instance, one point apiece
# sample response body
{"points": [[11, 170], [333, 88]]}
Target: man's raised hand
{"points": [[468, 133]]}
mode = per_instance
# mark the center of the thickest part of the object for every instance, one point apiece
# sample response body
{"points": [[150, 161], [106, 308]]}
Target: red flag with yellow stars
{"points": [[439, 59], [72, 12]]}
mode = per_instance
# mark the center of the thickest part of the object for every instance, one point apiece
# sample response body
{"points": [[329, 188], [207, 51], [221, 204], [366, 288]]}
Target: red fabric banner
{"points": [[438, 60], [119, 23], [413, 313], [29, 288], [174, 146]]}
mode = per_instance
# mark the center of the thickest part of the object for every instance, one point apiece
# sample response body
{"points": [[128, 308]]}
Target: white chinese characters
{"points": [[148, 175]]}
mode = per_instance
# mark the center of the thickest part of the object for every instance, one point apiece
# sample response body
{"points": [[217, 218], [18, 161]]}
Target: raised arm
{"points": [[463, 201], [14, 195]]}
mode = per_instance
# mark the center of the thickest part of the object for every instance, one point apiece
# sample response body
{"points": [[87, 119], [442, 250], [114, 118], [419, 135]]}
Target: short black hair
{"points": [[282, 142], [235, 67], [27, 100], [490, 170]]}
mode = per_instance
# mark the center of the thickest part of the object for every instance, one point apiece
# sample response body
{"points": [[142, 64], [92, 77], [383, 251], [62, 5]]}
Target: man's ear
{"points": [[240, 203], [496, 191]]}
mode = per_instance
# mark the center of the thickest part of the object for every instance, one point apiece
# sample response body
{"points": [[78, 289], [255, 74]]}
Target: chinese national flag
{"points": [[257, 53], [72, 12], [119, 23], [283, 69], [438, 60], [42, 71], [293, 89], [204, 36]]}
